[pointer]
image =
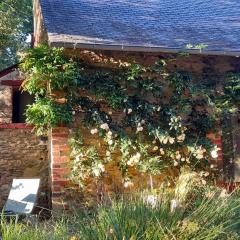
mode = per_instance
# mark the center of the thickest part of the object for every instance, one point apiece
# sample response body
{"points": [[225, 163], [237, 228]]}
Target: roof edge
{"points": [[150, 49], [8, 70]]}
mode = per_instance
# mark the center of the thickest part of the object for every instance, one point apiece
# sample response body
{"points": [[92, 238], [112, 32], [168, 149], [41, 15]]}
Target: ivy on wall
{"points": [[165, 116]]}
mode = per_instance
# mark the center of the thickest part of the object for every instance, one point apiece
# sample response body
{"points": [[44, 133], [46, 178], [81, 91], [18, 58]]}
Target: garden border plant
{"points": [[166, 115]]}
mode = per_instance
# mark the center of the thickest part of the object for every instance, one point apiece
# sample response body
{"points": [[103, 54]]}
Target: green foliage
{"points": [[200, 46], [48, 70], [46, 113], [52, 78], [15, 27], [166, 116], [104, 86], [231, 89], [51, 230]]}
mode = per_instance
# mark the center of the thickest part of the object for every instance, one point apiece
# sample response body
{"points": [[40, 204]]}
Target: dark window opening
{"points": [[20, 102]]}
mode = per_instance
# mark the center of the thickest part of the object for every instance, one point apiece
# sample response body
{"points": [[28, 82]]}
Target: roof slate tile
{"points": [[157, 23]]}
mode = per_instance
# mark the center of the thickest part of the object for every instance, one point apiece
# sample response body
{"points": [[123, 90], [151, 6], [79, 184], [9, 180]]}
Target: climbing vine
{"points": [[164, 116]]}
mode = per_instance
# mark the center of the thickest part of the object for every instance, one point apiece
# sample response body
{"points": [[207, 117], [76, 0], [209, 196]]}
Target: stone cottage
{"points": [[141, 30]]}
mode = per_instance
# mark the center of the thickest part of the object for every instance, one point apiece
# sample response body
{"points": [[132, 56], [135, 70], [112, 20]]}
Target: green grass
{"points": [[131, 218]]}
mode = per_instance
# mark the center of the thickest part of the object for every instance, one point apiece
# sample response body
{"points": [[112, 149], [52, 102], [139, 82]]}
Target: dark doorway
{"points": [[20, 102]]}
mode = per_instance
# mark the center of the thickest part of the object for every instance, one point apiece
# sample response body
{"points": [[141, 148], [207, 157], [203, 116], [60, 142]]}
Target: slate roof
{"points": [[144, 24]]}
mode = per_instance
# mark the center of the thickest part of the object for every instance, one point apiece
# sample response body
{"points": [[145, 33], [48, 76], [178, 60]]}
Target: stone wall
{"points": [[5, 104], [6, 92], [62, 189], [22, 155]]}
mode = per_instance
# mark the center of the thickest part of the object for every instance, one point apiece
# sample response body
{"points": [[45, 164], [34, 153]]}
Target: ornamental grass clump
{"points": [[205, 215], [213, 216]]}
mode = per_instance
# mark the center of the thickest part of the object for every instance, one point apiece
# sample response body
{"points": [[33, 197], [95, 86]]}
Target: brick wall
{"points": [[60, 158], [62, 188]]}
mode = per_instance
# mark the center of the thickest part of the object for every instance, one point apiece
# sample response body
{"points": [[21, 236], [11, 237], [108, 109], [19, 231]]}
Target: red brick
{"points": [[60, 183], [60, 130], [63, 159], [60, 141], [218, 141], [56, 165], [56, 177], [64, 148], [60, 135], [56, 189], [61, 171], [65, 153]]}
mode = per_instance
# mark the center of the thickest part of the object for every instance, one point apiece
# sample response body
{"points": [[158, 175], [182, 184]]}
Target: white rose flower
{"points": [[206, 174], [128, 184], [108, 153], [130, 162], [134, 159], [101, 167], [161, 151], [181, 137], [94, 131], [96, 172], [109, 133], [204, 182], [104, 126], [138, 155], [139, 129], [129, 110], [110, 142], [178, 156], [214, 153], [171, 140], [165, 140], [155, 148]]}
